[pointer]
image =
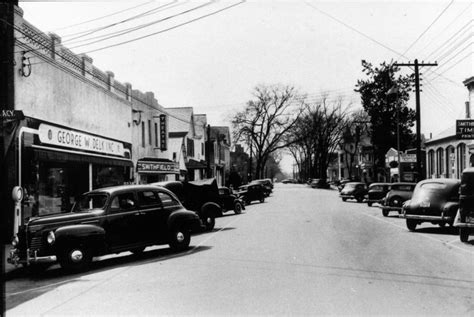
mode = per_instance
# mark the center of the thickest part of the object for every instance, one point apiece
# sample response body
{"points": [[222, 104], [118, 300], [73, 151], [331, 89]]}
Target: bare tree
{"points": [[317, 136], [266, 120]]}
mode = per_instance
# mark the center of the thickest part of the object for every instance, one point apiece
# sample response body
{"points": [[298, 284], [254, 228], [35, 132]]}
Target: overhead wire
{"points": [[454, 20], [429, 26], [104, 16], [139, 27], [101, 28], [167, 29]]}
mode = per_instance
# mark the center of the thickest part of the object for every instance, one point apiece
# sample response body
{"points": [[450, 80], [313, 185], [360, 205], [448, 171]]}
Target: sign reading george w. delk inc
{"points": [[465, 129]]}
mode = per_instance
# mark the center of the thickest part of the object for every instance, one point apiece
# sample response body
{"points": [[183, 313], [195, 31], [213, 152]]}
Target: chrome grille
{"points": [[36, 243]]}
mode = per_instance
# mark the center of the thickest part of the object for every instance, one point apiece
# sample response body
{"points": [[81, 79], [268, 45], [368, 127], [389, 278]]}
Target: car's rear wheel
{"points": [[76, 258], [238, 208], [385, 212], [411, 224], [359, 199], [464, 234], [369, 204], [344, 199], [262, 200], [180, 239]]}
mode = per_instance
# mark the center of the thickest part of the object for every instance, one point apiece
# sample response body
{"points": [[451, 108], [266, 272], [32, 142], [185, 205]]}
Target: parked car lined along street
{"points": [[249, 265]]}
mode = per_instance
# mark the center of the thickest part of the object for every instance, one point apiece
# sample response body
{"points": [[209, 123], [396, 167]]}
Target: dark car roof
{"points": [[355, 183], [124, 188]]}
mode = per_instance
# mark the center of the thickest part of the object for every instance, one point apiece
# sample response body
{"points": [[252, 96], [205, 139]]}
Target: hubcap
{"points": [[76, 255], [180, 237], [209, 220]]}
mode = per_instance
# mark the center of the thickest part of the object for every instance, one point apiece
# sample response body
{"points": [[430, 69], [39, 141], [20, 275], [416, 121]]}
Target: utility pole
{"points": [[418, 115], [208, 152]]}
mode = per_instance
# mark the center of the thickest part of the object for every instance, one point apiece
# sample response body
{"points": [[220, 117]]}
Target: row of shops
{"points": [[67, 127]]}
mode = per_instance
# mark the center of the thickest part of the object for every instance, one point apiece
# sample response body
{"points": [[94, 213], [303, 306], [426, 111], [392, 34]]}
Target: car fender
{"points": [[85, 234], [180, 217], [211, 209], [450, 209]]}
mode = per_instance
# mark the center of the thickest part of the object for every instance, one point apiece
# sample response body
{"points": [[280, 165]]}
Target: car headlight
{"points": [[51, 237], [15, 241]]}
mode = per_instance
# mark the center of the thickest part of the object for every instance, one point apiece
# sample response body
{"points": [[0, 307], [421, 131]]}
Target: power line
{"points": [[137, 16], [429, 26], [139, 27], [168, 29], [105, 16], [456, 19], [355, 30]]}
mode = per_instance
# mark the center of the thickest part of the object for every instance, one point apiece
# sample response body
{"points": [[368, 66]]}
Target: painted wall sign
{"points": [[77, 140], [465, 129], [158, 167], [163, 135]]}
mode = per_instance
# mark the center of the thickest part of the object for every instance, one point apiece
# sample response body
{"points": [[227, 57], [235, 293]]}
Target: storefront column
{"points": [[90, 177]]}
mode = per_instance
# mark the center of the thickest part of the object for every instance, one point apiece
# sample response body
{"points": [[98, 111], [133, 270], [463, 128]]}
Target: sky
{"points": [[211, 54]]}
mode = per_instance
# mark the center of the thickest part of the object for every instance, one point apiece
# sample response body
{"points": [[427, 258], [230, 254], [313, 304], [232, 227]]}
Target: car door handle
{"points": [[140, 213]]}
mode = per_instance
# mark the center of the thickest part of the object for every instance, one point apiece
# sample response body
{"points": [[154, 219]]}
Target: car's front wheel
{"points": [[209, 222], [262, 200], [411, 224], [385, 212], [464, 234], [359, 199], [369, 204], [76, 258], [238, 208], [180, 239]]}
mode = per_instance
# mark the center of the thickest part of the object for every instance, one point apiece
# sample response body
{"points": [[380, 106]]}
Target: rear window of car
{"points": [[433, 186], [406, 188]]}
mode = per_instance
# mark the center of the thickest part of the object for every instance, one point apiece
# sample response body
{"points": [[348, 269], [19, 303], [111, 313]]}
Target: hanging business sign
{"points": [[465, 129], [53, 135], [163, 136], [157, 167]]}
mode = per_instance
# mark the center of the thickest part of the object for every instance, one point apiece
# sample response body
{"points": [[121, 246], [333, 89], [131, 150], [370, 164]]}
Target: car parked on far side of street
{"points": [[319, 183], [377, 192], [434, 200], [354, 190], [465, 216], [104, 221], [396, 196]]}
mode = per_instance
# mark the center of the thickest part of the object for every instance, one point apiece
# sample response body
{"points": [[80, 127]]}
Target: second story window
{"points": [[149, 132], [190, 147], [156, 134], [143, 134]]}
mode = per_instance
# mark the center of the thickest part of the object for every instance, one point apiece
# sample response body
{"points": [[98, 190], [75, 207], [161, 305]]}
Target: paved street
{"points": [[302, 252]]}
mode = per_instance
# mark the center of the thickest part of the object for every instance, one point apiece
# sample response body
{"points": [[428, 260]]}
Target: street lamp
{"points": [[394, 91]]}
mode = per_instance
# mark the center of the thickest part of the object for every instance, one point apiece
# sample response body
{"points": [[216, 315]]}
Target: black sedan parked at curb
{"points": [[397, 195], [433, 200], [354, 190], [377, 192], [465, 216], [104, 221]]}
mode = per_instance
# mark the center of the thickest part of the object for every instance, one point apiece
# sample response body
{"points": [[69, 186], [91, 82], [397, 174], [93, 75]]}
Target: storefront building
{"points": [[78, 129], [448, 154]]}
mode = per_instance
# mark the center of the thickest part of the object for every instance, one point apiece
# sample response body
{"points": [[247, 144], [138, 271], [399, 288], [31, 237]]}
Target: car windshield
{"points": [[350, 185], [433, 186], [90, 201]]}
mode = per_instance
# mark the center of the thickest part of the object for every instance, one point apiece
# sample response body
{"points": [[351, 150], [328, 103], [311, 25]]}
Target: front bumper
{"points": [[31, 258]]}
